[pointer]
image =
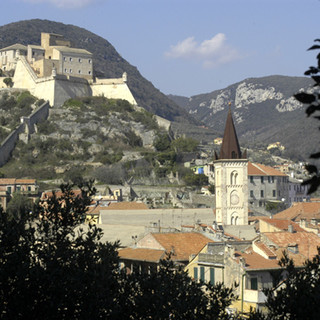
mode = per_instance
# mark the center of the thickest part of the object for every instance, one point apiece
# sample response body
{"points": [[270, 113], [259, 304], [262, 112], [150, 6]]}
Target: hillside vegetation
{"points": [[107, 62], [93, 137]]}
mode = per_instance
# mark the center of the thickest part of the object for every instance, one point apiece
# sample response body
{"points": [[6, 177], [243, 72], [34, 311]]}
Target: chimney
{"points": [[290, 228]]}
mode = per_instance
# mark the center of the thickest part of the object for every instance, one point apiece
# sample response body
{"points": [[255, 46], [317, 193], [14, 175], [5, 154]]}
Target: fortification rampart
{"points": [[27, 124], [58, 88]]}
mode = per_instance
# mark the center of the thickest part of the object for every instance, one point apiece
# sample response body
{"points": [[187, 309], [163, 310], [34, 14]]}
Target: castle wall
{"points": [[9, 143], [71, 87], [118, 90]]}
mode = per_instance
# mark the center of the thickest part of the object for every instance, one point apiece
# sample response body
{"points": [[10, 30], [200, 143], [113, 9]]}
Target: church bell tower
{"points": [[231, 179]]}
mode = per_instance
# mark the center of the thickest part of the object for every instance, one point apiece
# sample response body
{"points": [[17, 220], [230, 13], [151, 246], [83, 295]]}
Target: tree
{"points": [[312, 99], [8, 82], [297, 295], [171, 294], [53, 267], [19, 203]]}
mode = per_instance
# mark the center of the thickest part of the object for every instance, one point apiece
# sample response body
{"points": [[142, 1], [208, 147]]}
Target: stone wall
{"points": [[27, 123]]}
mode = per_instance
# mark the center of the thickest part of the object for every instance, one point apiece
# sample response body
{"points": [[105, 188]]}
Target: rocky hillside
{"points": [[264, 111], [82, 135], [107, 62]]}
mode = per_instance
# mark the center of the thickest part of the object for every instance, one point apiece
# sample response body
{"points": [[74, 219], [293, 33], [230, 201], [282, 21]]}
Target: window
{"points": [[195, 273], [70, 59], [261, 193], [251, 194], [89, 72], [89, 61], [64, 59], [272, 179], [79, 71], [212, 275], [274, 194], [65, 70], [9, 189], [254, 283], [269, 179], [262, 179], [80, 60], [202, 273], [70, 70], [251, 179]]}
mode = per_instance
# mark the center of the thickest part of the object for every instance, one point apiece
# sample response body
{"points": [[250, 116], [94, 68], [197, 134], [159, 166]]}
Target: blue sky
{"points": [[188, 47]]}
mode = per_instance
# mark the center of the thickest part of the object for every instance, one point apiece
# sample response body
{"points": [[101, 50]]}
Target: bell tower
{"points": [[231, 179]]}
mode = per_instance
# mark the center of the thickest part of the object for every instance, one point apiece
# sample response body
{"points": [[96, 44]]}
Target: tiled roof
{"points": [[72, 50], [299, 210], [257, 169], [58, 193], [140, 254], [255, 261], [307, 242], [182, 244], [127, 206], [6, 181], [283, 224], [266, 250]]}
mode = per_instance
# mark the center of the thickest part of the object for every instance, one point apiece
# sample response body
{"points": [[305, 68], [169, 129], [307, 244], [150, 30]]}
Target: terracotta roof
{"points": [[48, 194], [300, 210], [182, 244], [283, 224], [127, 206], [265, 249], [140, 254], [257, 169], [5, 181], [230, 148], [255, 261], [307, 242]]}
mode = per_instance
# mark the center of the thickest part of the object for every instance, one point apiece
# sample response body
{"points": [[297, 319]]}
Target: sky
{"points": [[190, 47]]}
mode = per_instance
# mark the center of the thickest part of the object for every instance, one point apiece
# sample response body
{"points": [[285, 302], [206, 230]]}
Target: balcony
{"points": [[255, 296]]}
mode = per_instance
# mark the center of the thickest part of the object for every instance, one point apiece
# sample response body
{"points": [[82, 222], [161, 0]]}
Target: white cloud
{"points": [[211, 53], [64, 3]]}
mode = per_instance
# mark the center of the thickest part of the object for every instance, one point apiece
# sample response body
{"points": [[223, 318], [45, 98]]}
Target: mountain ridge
{"points": [[264, 111]]}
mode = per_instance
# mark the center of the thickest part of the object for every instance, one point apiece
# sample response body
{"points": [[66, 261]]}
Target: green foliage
{"points": [[297, 293], [8, 82], [162, 142], [46, 127], [18, 203], [185, 145], [133, 139], [212, 188], [313, 102], [197, 180]]}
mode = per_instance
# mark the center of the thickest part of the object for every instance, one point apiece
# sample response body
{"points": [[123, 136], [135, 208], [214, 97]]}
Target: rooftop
{"points": [[181, 244], [300, 210], [257, 169]]}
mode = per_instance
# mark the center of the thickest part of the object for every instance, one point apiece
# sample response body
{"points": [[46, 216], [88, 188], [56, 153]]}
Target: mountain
{"points": [[264, 111], [107, 62]]}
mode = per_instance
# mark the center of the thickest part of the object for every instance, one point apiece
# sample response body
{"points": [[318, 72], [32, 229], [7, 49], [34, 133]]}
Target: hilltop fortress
{"points": [[57, 72]]}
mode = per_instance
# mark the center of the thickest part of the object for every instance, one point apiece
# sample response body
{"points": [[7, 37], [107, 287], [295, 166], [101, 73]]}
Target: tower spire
{"points": [[230, 148]]}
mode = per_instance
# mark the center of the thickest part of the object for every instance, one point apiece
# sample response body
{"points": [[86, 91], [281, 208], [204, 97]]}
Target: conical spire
{"points": [[230, 148]]}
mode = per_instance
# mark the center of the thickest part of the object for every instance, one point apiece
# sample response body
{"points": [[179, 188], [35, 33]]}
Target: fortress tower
{"points": [[231, 179]]}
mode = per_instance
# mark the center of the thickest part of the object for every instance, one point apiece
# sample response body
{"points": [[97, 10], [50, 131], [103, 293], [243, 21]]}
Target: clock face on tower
{"points": [[234, 199]]}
